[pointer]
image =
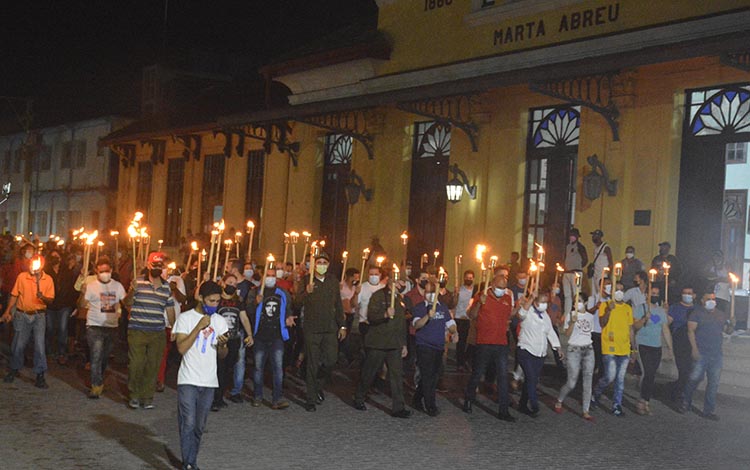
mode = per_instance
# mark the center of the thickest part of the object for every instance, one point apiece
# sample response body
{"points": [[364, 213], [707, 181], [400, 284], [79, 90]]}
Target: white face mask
{"points": [[687, 298], [280, 273], [710, 304], [499, 292], [619, 295], [608, 289], [579, 306], [104, 277], [522, 282], [270, 282], [28, 254], [542, 307], [629, 255], [430, 297], [374, 279]]}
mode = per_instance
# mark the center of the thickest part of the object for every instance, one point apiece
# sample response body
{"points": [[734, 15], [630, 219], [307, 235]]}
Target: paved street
{"points": [[61, 429]]}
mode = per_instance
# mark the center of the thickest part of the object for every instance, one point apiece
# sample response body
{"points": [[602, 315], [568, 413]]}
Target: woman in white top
{"points": [[580, 357]]}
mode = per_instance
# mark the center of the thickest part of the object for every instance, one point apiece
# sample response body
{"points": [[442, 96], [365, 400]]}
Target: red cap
{"points": [[157, 257]]}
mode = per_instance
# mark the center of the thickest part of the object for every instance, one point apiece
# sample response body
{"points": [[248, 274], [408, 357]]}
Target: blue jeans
{"points": [[100, 340], [58, 320], [275, 351], [615, 368], [239, 369], [532, 369], [24, 326], [484, 355], [193, 406], [710, 366]]}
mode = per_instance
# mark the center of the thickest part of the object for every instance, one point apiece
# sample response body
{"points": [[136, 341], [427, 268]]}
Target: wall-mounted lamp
{"points": [[456, 186], [354, 187]]}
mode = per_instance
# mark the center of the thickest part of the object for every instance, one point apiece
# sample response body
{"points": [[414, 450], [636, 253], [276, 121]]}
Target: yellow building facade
{"points": [[627, 68]]}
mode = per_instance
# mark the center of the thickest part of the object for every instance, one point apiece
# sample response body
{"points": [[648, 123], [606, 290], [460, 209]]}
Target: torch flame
{"points": [[533, 267], [132, 231], [380, 260], [250, 224], [194, 246], [345, 254], [480, 249], [36, 264], [138, 216], [558, 267], [734, 278], [404, 237], [221, 225]]}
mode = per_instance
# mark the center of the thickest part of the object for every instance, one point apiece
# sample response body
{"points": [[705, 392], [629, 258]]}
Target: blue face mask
{"points": [[210, 309], [248, 273]]}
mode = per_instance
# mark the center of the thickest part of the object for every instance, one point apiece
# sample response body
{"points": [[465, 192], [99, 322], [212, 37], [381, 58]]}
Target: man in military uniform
{"points": [[324, 325], [385, 342]]}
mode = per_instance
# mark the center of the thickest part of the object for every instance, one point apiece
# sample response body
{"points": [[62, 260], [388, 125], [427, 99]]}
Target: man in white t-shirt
{"points": [[101, 297], [200, 336]]}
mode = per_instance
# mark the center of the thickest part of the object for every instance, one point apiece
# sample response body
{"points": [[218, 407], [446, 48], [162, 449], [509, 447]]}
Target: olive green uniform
{"points": [[383, 343], [323, 317]]}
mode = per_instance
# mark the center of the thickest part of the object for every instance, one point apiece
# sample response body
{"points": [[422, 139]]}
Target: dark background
{"points": [[80, 59]]}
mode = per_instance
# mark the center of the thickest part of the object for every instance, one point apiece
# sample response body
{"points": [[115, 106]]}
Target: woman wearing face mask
{"points": [[616, 319], [536, 331], [580, 356], [595, 301], [651, 325], [234, 312]]}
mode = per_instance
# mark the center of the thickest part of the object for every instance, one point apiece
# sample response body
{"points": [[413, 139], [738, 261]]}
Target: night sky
{"points": [[84, 58]]}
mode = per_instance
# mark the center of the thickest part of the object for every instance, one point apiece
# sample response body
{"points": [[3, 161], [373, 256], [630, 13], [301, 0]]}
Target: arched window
{"points": [[338, 149], [432, 139], [720, 111], [556, 127]]}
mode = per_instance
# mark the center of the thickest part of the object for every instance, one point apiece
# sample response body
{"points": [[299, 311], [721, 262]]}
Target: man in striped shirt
{"points": [[149, 300]]}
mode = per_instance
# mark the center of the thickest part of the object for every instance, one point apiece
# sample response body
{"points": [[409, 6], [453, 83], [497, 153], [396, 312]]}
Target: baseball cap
{"points": [[575, 231], [598, 232], [156, 257], [323, 255], [665, 244]]}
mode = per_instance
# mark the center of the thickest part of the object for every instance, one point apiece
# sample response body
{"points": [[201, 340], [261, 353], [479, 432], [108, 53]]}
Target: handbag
{"points": [[590, 269]]}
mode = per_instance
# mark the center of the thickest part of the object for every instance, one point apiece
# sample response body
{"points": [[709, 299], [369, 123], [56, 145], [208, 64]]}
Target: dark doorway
{"points": [[551, 157], [175, 186], [427, 196], [334, 210]]}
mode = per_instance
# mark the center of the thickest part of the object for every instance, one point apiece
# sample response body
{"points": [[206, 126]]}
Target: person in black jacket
{"points": [[385, 342]]}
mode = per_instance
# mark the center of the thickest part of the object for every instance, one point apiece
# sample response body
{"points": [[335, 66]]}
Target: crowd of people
{"points": [[311, 317]]}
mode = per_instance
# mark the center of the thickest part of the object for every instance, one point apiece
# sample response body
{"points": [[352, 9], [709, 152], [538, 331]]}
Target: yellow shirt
{"points": [[25, 289], [616, 335]]}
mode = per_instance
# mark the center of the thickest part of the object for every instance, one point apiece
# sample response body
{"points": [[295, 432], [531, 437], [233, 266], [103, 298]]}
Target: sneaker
{"points": [[149, 406], [710, 416], [594, 401], [310, 407], [96, 391], [281, 405], [433, 412], [467, 406], [134, 404], [222, 403], [40, 382], [214, 406], [640, 408], [506, 416], [558, 407], [617, 411], [360, 406], [529, 412], [417, 404], [236, 398], [10, 377], [587, 416], [403, 414], [256, 402]]}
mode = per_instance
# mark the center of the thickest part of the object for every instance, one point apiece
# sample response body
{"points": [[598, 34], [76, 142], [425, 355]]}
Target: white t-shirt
{"points": [[181, 287], [464, 299], [103, 302], [364, 298], [593, 299], [581, 335], [198, 365]]}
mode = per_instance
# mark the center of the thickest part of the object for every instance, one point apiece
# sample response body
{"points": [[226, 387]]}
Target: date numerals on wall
{"points": [[435, 4]]}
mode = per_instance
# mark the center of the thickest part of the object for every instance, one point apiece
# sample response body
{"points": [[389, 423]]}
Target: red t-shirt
{"points": [[493, 319]]}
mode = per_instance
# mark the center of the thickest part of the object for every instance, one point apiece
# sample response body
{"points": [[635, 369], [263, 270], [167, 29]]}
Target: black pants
{"points": [[650, 360], [596, 339], [374, 359], [683, 360], [462, 324], [429, 362], [496, 354], [225, 368]]}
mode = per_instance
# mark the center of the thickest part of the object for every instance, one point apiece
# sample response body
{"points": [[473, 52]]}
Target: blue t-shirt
{"points": [[650, 334], [709, 333], [679, 314], [432, 335]]}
